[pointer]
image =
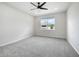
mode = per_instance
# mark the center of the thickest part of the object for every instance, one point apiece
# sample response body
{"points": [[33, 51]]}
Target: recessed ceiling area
{"points": [[53, 7]]}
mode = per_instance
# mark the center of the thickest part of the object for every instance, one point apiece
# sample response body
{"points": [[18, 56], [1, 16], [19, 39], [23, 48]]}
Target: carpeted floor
{"points": [[38, 47]]}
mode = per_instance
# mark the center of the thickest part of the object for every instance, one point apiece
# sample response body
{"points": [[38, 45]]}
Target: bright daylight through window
{"points": [[48, 23]]}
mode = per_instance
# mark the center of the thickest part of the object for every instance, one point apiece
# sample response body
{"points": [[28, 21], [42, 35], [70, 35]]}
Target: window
{"points": [[48, 23]]}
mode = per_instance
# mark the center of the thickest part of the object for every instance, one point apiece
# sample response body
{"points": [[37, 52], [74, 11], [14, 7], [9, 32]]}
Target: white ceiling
{"points": [[53, 7]]}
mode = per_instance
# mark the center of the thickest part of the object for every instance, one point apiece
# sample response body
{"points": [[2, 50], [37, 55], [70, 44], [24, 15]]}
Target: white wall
{"points": [[14, 24], [59, 32], [73, 25]]}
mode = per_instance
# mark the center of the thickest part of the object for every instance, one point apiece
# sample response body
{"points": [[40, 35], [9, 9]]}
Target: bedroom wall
{"points": [[73, 26], [14, 24], [59, 32]]}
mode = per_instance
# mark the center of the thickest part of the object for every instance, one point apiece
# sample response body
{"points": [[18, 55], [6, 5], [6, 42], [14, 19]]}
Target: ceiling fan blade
{"points": [[33, 4], [44, 8], [42, 4]]}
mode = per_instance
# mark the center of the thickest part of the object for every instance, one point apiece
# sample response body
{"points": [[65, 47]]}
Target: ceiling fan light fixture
{"points": [[40, 6]]}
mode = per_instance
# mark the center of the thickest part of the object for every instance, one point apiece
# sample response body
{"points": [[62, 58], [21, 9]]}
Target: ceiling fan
{"points": [[39, 6]]}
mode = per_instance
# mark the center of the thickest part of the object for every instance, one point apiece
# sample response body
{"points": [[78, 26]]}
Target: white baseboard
{"points": [[73, 47], [11, 42], [51, 37]]}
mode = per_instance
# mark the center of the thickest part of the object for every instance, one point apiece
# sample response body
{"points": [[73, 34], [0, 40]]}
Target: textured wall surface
{"points": [[14, 24], [59, 32], [73, 25]]}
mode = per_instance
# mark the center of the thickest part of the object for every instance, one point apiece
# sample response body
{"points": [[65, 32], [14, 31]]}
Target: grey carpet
{"points": [[38, 47]]}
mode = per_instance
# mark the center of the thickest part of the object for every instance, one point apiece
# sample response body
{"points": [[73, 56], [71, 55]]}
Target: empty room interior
{"points": [[39, 29]]}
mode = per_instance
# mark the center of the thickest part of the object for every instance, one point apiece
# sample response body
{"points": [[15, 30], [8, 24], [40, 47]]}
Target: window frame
{"points": [[46, 28]]}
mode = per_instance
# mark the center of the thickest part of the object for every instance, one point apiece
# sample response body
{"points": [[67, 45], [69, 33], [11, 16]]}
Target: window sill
{"points": [[48, 29]]}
